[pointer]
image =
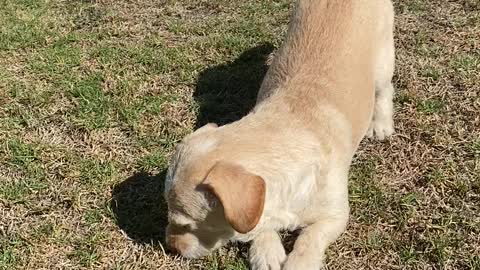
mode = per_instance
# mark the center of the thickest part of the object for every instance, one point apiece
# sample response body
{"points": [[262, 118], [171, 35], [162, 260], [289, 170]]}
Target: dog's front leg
{"points": [[310, 247], [267, 252]]}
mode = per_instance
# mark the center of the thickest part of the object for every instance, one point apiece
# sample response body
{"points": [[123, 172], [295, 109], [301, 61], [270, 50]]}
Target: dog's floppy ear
{"points": [[241, 193]]}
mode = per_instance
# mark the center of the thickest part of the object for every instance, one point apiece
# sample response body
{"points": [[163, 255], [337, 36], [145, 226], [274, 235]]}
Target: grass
{"points": [[94, 95]]}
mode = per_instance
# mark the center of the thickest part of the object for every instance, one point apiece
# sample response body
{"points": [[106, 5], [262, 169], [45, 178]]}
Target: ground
{"points": [[94, 95]]}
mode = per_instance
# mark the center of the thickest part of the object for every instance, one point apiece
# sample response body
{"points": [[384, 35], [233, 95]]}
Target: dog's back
{"points": [[330, 57]]}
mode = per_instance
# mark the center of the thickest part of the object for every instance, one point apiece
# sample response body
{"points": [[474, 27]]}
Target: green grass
{"points": [[56, 61], [475, 148], [20, 153], [96, 173], [7, 258], [416, 6], [466, 64], [431, 72], [95, 95], [432, 106], [22, 25], [366, 197], [93, 216], [85, 253], [9, 251], [153, 161], [93, 105], [216, 263], [22, 158]]}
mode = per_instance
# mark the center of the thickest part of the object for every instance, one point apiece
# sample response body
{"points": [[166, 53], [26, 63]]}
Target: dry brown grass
{"points": [[95, 94]]}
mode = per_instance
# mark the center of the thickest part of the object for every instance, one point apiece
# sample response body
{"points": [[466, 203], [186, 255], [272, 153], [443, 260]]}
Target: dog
{"points": [[285, 165]]}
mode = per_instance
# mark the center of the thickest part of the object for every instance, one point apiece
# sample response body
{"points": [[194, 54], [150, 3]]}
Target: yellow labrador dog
{"points": [[285, 165]]}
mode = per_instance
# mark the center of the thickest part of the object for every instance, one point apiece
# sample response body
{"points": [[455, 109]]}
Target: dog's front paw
{"points": [[267, 253], [303, 261]]}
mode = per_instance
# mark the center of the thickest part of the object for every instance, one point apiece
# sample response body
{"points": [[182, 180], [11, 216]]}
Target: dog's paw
{"points": [[270, 258], [267, 255], [296, 261], [380, 128]]}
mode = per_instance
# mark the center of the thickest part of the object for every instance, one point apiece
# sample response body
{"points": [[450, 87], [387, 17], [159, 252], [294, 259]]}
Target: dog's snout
{"points": [[176, 245]]}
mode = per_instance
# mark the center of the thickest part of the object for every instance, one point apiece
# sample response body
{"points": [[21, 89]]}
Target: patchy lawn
{"points": [[94, 95]]}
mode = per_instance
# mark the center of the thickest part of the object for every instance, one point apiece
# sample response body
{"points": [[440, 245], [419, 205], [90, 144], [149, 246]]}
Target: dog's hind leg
{"points": [[382, 121]]}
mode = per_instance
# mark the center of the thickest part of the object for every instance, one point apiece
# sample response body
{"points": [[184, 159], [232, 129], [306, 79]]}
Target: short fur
{"points": [[285, 165]]}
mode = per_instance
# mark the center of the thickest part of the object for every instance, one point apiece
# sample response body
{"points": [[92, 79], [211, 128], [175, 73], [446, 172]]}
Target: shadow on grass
{"points": [[225, 93], [228, 92], [139, 208]]}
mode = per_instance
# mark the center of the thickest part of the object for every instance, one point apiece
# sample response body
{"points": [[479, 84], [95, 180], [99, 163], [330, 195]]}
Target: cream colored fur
{"points": [[327, 87]]}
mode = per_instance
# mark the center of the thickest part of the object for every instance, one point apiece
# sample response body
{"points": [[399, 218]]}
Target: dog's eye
{"points": [[186, 227]]}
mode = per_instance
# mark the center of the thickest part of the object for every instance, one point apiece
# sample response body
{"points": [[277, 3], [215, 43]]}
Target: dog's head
{"points": [[209, 199]]}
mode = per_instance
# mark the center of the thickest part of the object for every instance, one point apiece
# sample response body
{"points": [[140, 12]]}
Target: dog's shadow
{"points": [[139, 208], [228, 91], [225, 93]]}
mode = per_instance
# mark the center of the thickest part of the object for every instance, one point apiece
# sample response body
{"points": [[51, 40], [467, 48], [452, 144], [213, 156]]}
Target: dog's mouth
{"points": [[194, 251]]}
